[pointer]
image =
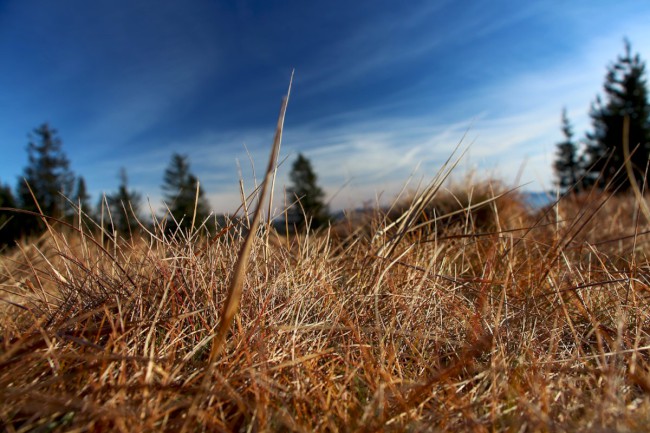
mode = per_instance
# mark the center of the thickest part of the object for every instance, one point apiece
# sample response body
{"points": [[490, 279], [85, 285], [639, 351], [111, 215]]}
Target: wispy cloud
{"points": [[387, 47], [378, 91], [373, 150]]}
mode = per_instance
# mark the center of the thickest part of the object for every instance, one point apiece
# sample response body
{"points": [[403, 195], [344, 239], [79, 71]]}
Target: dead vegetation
{"points": [[541, 326], [524, 321]]}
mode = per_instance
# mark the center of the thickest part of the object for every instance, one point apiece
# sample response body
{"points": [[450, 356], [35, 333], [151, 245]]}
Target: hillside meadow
{"points": [[456, 309], [461, 310]]}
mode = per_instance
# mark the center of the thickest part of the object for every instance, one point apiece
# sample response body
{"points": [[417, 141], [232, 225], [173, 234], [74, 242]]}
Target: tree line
{"points": [[614, 155], [49, 187]]}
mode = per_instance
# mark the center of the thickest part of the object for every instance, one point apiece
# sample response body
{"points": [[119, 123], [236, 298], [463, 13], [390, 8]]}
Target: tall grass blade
{"points": [[231, 305]]}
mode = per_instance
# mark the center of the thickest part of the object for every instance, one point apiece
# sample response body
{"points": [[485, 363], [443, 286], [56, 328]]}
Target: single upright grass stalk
{"points": [[235, 289], [630, 171], [274, 162], [196, 206]]}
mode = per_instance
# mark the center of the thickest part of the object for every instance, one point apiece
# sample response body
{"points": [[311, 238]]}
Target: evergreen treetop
{"points": [[568, 163], [626, 95], [47, 174], [81, 200], [180, 193], [124, 206], [311, 207]]}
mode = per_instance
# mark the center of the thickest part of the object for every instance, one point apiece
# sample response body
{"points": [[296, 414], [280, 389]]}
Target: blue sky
{"points": [[382, 89]]}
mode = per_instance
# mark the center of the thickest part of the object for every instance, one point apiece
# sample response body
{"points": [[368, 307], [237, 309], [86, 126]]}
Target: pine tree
{"points": [[568, 164], [124, 206], [179, 193], [310, 209], [47, 174], [626, 96], [81, 199]]}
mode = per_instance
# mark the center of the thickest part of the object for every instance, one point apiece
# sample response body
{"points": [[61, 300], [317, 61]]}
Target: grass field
{"points": [[461, 310], [496, 319]]}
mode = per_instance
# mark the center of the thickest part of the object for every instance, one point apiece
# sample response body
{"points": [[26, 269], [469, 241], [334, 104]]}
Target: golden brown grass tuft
{"points": [[476, 206]]}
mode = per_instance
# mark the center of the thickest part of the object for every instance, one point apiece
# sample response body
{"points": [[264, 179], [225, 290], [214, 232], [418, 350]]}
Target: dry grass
{"points": [[544, 328], [458, 311]]}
